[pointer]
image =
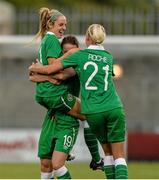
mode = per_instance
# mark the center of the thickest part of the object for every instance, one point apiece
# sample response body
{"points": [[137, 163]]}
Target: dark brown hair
{"points": [[71, 40]]}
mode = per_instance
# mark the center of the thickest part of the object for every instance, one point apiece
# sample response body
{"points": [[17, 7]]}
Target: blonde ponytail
{"points": [[97, 33]]}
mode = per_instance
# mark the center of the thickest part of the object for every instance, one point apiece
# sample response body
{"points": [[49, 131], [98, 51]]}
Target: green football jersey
{"points": [[64, 120], [49, 47], [95, 66], [73, 84]]}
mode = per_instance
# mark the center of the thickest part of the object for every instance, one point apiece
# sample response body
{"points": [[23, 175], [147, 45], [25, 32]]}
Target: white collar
{"points": [[96, 47], [49, 32]]}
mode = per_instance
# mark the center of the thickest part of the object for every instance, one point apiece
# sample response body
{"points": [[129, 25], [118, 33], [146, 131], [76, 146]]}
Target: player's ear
{"points": [[87, 40], [50, 25]]}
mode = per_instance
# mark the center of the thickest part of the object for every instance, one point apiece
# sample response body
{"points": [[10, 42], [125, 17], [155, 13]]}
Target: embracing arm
{"points": [[38, 77], [55, 79], [47, 69], [65, 74], [54, 64], [71, 51], [34, 77]]}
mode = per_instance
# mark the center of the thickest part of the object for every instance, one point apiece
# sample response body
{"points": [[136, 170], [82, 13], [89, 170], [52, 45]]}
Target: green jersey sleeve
{"points": [[71, 61]]}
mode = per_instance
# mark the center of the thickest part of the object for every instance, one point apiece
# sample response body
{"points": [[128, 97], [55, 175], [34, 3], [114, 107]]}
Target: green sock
{"points": [[109, 171], [92, 144], [121, 172], [121, 169], [65, 176]]}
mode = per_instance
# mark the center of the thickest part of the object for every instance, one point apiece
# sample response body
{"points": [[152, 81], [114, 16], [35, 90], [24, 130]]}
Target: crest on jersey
{"points": [[69, 97]]}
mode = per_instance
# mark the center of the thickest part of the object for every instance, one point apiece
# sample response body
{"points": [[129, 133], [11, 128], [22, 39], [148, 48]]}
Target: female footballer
{"points": [[100, 102]]}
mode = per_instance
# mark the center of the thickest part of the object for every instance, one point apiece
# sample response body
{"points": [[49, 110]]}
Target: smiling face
{"points": [[59, 26]]}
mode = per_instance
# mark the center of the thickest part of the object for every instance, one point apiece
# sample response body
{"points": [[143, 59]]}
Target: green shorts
{"points": [[53, 137], [65, 139], [62, 103], [108, 126]]}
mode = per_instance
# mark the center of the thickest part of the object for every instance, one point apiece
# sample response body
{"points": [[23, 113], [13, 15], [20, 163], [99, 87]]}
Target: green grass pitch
{"points": [[137, 170]]}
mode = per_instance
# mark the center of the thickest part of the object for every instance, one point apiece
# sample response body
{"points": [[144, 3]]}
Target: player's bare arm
{"points": [[64, 74], [47, 69], [71, 51], [35, 77]]}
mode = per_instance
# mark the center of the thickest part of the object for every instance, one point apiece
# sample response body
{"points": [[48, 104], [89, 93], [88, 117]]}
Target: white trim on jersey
{"points": [[65, 103], [49, 32], [96, 47]]}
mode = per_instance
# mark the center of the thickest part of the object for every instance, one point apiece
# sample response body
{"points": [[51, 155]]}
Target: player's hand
{"points": [[54, 81], [35, 66]]}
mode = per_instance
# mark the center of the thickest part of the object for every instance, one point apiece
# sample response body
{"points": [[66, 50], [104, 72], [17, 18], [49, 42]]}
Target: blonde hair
{"points": [[46, 16], [97, 33]]}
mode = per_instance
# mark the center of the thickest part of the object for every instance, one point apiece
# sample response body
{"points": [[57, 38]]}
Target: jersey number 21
{"points": [[87, 84]]}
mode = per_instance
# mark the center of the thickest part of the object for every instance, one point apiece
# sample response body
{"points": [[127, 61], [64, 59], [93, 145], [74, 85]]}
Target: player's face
{"points": [[59, 26], [68, 46]]}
